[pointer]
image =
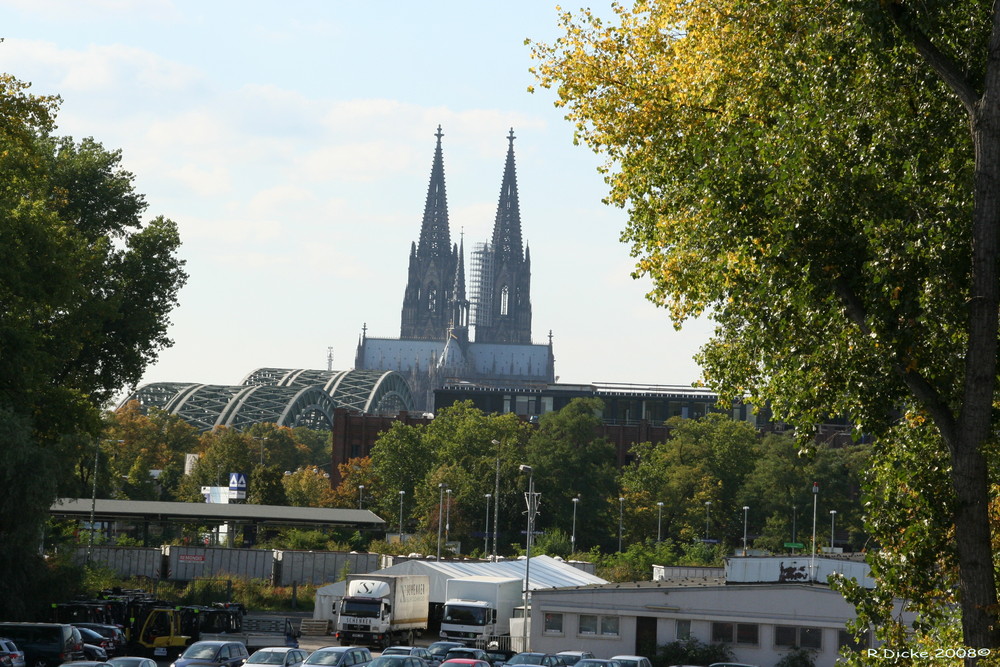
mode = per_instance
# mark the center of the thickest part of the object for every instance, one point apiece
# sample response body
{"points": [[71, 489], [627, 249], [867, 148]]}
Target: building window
{"points": [[744, 634], [683, 630], [846, 640], [606, 626], [553, 623], [504, 300], [789, 636], [722, 632]]}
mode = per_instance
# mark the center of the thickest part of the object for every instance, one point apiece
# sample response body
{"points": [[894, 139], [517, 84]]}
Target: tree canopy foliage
{"points": [[85, 292], [824, 180]]}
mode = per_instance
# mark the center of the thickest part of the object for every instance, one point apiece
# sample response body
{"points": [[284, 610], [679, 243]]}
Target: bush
{"points": [[691, 652], [798, 657]]}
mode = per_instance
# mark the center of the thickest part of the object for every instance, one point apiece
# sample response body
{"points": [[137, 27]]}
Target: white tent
{"points": [[545, 572]]}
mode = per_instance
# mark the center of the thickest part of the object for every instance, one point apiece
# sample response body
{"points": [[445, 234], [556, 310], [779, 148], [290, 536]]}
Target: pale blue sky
{"points": [[292, 143]]}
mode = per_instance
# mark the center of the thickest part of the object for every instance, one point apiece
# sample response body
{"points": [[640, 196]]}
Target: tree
{"points": [[824, 179], [85, 291]]}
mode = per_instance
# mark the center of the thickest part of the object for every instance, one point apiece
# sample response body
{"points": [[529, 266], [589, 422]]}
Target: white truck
{"points": [[383, 609], [479, 607]]}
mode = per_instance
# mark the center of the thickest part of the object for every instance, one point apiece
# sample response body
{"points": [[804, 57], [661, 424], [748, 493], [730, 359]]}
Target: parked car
{"points": [[397, 661], [416, 651], [132, 661], [731, 664], [116, 641], [95, 646], [278, 656], [467, 652], [499, 656], [439, 649], [340, 656], [535, 658], [573, 657], [50, 644], [632, 660], [213, 654], [88, 663], [597, 662], [464, 662], [11, 655]]}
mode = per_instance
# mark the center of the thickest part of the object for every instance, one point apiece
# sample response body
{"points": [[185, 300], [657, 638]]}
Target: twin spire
{"points": [[434, 305]]}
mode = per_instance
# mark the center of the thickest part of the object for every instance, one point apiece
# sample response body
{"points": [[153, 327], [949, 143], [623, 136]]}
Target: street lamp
{"points": [[401, 494], [447, 516], [708, 504], [659, 520], [486, 530], [440, 508], [746, 508], [621, 515], [361, 496], [572, 540], [93, 499], [833, 516], [530, 538], [496, 499]]}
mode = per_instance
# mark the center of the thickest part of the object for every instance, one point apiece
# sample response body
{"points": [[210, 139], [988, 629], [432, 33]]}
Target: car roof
{"points": [[275, 649]]}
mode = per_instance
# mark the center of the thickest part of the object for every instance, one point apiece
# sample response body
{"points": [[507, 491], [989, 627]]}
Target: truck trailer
{"points": [[479, 607], [383, 609]]}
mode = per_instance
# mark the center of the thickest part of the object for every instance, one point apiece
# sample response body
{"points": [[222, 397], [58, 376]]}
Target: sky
{"points": [[292, 143]]}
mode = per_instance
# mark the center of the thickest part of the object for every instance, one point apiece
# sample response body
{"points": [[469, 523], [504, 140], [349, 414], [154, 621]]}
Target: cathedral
{"points": [[449, 336]]}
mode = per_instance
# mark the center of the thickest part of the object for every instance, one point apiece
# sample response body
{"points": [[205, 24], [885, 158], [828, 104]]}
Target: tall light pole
{"points": [[532, 504], [659, 521], [496, 500], [621, 516], [447, 516], [708, 505], [93, 499], [486, 529], [440, 508], [746, 508], [572, 540], [833, 517], [401, 494], [361, 496], [812, 556]]}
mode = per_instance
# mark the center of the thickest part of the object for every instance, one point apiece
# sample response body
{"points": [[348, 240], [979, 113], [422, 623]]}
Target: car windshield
{"points": [[454, 613], [526, 659], [268, 658], [361, 608], [324, 657], [439, 650], [203, 652], [387, 661]]}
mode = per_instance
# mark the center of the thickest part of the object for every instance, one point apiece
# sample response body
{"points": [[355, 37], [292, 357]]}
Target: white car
{"points": [[277, 656], [573, 657], [632, 660]]}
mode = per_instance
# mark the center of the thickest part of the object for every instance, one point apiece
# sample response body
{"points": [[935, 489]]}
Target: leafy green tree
{"points": [[571, 461], [85, 291], [822, 178]]}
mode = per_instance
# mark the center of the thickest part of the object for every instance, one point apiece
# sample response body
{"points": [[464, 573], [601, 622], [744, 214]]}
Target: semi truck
{"points": [[383, 609], [477, 608]]}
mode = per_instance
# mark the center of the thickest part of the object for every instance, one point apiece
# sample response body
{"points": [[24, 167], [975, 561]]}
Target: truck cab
{"points": [[468, 619]]}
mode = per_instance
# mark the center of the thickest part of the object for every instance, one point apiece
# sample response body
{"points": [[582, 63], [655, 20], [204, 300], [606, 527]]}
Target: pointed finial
{"points": [[439, 134], [511, 137]]}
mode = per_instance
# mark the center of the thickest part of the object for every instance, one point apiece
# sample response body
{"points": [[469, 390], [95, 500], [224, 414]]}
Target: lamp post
{"points": [[401, 494], [530, 538], [812, 554], [447, 516], [621, 516], [659, 521], [833, 517], [361, 496], [746, 508], [486, 529], [93, 500], [708, 505], [496, 500], [572, 540], [440, 508]]}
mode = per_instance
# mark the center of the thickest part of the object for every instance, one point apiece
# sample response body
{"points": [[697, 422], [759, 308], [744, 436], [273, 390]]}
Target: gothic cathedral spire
{"points": [[428, 297], [509, 302]]}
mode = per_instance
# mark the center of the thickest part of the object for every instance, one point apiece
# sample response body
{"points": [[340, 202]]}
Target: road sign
{"points": [[794, 545], [237, 481]]}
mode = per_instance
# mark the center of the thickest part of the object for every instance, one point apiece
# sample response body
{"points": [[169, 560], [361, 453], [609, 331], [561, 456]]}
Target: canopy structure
{"points": [[286, 397], [545, 572]]}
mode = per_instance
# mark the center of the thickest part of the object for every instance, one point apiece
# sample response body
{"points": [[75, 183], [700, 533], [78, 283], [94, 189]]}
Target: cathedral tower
{"points": [[428, 302], [504, 306]]}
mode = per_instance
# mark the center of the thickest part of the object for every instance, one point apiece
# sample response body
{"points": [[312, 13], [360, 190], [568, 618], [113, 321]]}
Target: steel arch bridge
{"points": [[284, 397]]}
